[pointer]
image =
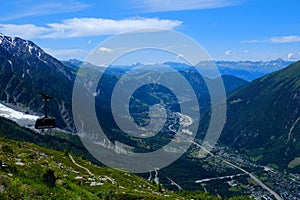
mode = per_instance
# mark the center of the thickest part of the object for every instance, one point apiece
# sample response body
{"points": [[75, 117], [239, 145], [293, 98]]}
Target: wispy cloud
{"points": [[26, 31], [82, 27], [285, 39], [66, 53], [177, 5], [281, 39], [39, 8], [254, 41]]}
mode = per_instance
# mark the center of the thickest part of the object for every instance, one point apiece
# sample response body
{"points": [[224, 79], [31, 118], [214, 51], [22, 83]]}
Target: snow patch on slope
{"points": [[19, 117], [30, 49]]}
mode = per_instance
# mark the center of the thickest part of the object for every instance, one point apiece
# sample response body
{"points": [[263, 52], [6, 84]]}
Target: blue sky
{"points": [[227, 29]]}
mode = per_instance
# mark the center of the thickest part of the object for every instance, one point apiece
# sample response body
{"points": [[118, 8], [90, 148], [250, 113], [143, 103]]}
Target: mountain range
{"points": [[250, 70], [269, 105], [263, 116], [26, 70]]}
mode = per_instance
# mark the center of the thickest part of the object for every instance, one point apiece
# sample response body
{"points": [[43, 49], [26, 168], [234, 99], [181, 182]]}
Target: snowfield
{"points": [[19, 117]]}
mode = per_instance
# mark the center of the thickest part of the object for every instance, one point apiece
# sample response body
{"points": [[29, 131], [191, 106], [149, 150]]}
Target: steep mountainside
{"points": [[29, 171], [26, 70], [231, 82], [263, 118]]}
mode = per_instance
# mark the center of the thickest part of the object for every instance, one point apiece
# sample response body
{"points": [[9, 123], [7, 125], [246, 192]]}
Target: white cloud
{"points": [[293, 56], [65, 54], [285, 39], [81, 27], [24, 31], [175, 5], [290, 56], [78, 27], [246, 52], [106, 50], [228, 53]]}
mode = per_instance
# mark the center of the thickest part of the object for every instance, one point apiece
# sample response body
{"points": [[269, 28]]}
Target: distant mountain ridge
{"points": [[247, 70], [250, 70]]}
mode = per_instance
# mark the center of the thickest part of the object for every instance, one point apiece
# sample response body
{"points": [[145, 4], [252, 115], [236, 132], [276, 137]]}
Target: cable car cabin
{"points": [[44, 123]]}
